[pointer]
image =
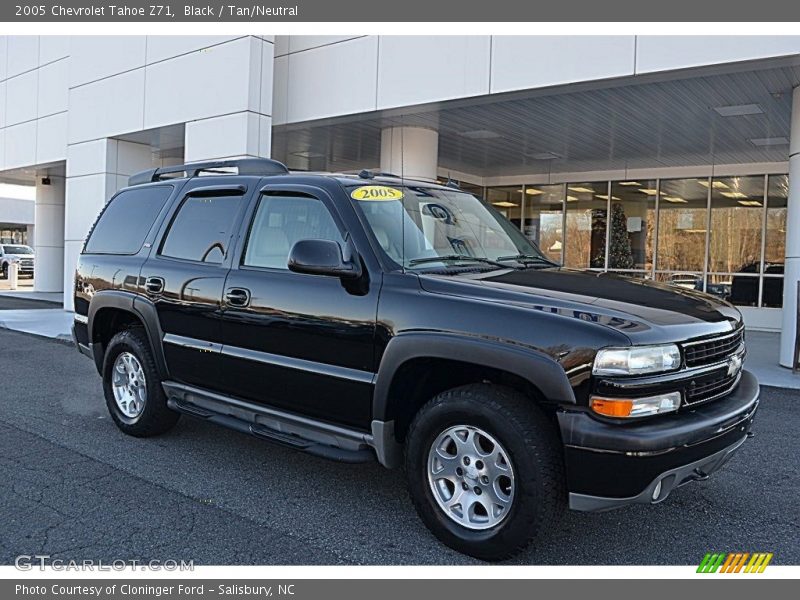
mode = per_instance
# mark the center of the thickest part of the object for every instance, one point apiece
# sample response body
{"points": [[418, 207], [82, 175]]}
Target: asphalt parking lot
{"points": [[74, 487]]}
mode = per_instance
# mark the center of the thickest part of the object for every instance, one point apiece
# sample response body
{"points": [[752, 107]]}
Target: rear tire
{"points": [[473, 426], [4, 272], [132, 386]]}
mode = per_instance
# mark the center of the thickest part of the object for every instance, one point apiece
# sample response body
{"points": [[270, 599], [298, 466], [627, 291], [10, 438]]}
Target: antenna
{"points": [[402, 199]]}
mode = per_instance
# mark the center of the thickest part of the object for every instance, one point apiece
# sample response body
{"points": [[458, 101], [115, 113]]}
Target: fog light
{"points": [[635, 407], [657, 490]]}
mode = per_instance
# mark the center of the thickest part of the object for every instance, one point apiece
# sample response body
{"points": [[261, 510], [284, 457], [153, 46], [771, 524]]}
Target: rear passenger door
{"points": [[302, 343], [185, 274]]}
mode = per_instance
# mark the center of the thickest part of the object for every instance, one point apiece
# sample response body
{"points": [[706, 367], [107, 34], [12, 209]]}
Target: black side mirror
{"points": [[322, 257]]}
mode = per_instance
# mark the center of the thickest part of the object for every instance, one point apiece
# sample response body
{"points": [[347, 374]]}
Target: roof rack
{"points": [[367, 174], [245, 166]]}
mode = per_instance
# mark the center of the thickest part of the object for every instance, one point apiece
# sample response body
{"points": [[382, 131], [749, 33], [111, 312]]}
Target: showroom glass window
{"points": [[201, 229], [475, 190], [585, 231], [682, 229], [508, 201], [775, 242], [734, 242], [632, 225], [543, 218]]}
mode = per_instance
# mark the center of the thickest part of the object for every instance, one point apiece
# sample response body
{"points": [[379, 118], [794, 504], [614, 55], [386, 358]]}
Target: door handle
{"points": [[237, 296], [154, 285]]}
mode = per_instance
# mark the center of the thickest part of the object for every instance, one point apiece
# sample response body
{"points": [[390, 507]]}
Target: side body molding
{"points": [[536, 367]]}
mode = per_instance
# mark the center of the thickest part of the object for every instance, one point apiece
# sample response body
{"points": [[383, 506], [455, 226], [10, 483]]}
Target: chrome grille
{"points": [[714, 350], [716, 385]]}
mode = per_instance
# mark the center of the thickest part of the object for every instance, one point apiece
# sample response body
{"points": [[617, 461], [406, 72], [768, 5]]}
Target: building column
{"points": [[411, 152], [792, 263], [95, 171], [244, 134], [48, 244]]}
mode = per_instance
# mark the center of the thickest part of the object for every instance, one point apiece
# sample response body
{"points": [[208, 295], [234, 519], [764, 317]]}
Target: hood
{"points": [[646, 311]]}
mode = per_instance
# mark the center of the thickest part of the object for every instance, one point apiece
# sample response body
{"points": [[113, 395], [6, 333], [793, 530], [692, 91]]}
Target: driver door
{"points": [[297, 342]]}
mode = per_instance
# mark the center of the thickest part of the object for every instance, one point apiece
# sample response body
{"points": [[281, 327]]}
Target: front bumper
{"points": [[612, 464]]}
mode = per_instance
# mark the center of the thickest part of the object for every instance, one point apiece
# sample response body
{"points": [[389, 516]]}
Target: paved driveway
{"points": [[73, 486]]}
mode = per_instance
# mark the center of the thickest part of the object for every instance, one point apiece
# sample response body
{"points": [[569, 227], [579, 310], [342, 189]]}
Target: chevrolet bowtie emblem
{"points": [[734, 365]]}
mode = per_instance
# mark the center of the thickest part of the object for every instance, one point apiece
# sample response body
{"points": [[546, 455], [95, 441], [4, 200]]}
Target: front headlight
{"points": [[637, 360]]}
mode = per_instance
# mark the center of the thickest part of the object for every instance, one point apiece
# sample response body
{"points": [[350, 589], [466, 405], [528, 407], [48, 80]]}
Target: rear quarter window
{"points": [[126, 220]]}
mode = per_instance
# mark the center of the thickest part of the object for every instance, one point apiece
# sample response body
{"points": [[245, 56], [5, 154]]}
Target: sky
{"points": [[26, 192]]}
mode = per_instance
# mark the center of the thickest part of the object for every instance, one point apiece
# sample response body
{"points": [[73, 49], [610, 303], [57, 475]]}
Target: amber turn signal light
{"points": [[612, 407], [635, 407]]}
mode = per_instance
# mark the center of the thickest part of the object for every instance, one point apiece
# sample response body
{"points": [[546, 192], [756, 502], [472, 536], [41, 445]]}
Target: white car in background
{"points": [[16, 253]]}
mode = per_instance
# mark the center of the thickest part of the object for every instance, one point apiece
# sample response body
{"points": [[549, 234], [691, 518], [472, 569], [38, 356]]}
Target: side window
{"points": [[123, 225], [279, 222], [201, 229]]}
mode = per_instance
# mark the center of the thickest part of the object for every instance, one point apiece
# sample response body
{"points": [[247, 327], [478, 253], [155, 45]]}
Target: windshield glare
{"points": [[17, 249], [428, 222]]}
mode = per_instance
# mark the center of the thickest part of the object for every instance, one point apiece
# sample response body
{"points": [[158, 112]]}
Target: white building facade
{"points": [[667, 157]]}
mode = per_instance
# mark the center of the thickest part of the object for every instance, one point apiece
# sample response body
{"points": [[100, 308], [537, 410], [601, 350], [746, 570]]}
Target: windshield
{"points": [[434, 228], [17, 249]]}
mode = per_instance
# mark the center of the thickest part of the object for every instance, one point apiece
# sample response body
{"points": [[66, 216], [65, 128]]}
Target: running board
{"points": [[286, 429]]}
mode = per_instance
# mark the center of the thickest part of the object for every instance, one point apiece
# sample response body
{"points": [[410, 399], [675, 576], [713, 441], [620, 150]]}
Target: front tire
{"points": [[4, 274], [485, 470], [132, 386]]}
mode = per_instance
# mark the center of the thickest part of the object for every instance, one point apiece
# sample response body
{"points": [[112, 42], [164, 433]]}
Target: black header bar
{"points": [[155, 11]]}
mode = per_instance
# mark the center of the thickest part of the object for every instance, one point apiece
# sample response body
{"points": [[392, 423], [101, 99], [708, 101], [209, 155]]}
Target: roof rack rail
{"points": [[367, 174], [245, 166]]}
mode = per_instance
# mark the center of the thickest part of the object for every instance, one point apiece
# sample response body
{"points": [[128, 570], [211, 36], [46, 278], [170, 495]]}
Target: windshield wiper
{"points": [[527, 259], [456, 257]]}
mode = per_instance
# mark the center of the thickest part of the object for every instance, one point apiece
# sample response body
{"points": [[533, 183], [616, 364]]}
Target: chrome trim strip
{"points": [[644, 381], [709, 340], [276, 360], [81, 319], [299, 364], [192, 343]]}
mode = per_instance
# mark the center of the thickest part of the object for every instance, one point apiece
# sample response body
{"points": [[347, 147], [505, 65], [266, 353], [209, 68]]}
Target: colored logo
{"points": [[734, 562]]}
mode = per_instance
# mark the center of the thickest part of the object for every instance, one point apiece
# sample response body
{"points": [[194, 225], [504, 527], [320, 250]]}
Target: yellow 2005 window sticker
{"points": [[376, 193]]}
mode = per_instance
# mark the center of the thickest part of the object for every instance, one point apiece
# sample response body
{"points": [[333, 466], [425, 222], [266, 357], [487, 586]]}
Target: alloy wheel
{"points": [[129, 385], [471, 477]]}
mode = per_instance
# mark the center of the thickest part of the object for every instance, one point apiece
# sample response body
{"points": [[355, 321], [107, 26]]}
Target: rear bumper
{"points": [[612, 464]]}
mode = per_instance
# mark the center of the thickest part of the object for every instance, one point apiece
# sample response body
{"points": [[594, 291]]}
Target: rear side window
{"points": [[201, 229], [124, 223]]}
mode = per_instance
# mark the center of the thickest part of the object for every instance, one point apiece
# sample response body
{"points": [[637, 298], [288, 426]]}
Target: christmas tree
{"points": [[619, 243]]}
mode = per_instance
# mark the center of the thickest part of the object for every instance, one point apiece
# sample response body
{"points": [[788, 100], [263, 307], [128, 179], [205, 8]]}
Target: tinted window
{"points": [[201, 229], [124, 223], [17, 249], [282, 220]]}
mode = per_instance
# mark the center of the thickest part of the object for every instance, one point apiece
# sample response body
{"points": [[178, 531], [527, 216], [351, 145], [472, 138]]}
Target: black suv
{"points": [[363, 317]]}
